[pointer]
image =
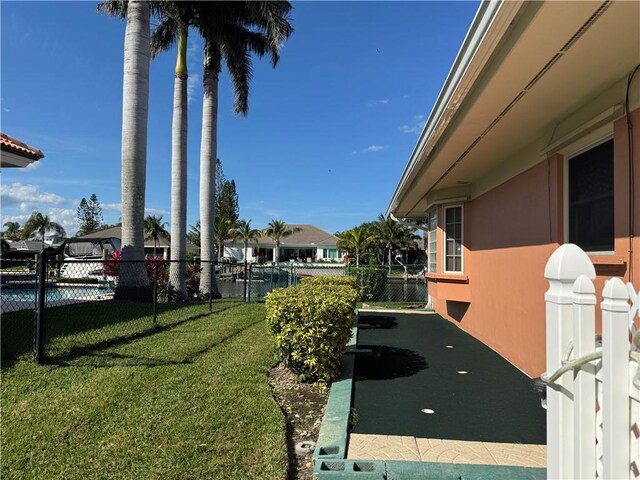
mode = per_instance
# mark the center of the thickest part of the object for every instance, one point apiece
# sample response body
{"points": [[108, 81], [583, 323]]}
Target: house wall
{"points": [[509, 233]]}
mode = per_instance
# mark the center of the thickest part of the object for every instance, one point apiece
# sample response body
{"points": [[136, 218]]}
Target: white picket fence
{"points": [[593, 384]]}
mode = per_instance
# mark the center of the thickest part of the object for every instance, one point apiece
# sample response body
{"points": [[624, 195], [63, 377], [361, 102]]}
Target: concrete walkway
{"points": [[397, 447]]}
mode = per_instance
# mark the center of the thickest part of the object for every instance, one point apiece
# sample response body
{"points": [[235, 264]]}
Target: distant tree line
{"points": [[379, 241]]}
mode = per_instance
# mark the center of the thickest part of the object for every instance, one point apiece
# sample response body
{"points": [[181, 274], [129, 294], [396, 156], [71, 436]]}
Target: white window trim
{"points": [[444, 240], [570, 152], [435, 234]]}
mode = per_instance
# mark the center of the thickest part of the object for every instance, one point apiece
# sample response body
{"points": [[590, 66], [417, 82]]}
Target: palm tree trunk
{"points": [[389, 258], [357, 257], [177, 269], [208, 152], [135, 100], [276, 254]]}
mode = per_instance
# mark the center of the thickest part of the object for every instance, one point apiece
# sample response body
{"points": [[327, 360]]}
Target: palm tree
{"points": [[176, 18], [154, 229], [278, 230], [12, 231], [38, 225], [228, 35], [393, 235], [194, 234], [244, 232], [133, 280], [355, 241], [225, 230]]}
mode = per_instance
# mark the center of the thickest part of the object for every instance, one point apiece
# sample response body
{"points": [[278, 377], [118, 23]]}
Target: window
{"points": [[591, 199], [432, 254], [453, 239], [331, 253]]}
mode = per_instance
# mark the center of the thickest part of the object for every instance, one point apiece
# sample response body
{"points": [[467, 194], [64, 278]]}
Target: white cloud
{"points": [[415, 127], [25, 195], [376, 148], [194, 79], [157, 212], [111, 206], [384, 101], [64, 216]]}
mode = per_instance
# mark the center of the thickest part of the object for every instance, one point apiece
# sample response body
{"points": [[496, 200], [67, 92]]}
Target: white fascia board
{"points": [[487, 29], [13, 160]]}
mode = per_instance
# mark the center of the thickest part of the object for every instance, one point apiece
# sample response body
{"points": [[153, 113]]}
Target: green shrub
{"points": [[330, 280], [311, 324], [370, 281]]}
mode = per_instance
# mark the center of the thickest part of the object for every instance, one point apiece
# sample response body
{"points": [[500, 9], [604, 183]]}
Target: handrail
{"points": [[578, 362]]}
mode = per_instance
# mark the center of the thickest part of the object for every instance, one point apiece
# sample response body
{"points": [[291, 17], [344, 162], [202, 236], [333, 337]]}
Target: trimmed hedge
{"points": [[370, 281], [311, 324], [330, 280]]}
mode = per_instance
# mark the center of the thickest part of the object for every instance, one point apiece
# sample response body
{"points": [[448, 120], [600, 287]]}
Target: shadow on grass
{"points": [[98, 358], [387, 363], [81, 329]]}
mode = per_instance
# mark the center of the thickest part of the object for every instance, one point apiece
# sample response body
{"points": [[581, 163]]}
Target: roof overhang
{"points": [[14, 160], [522, 71]]}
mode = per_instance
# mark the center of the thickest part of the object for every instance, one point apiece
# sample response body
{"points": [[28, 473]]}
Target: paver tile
{"points": [[518, 454], [453, 451], [382, 447]]}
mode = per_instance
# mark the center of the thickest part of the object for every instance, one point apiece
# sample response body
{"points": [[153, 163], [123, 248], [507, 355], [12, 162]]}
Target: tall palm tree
{"points": [[176, 18], [12, 231], [278, 230], [133, 282], [231, 31], [38, 225], [244, 232], [154, 229], [225, 230], [355, 241], [393, 235]]}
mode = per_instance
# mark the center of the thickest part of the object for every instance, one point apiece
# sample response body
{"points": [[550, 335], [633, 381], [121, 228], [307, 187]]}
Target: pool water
{"points": [[13, 299]]}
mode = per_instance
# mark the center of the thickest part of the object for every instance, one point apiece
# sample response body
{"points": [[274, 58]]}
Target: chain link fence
{"points": [[376, 283], [60, 308]]}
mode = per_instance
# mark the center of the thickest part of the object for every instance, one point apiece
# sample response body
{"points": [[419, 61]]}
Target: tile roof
{"points": [[309, 235], [13, 145]]}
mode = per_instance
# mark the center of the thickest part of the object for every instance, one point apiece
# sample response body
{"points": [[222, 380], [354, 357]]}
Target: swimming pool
{"points": [[16, 298]]}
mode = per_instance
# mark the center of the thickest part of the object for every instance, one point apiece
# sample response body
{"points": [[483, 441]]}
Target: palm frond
{"points": [[164, 36]]}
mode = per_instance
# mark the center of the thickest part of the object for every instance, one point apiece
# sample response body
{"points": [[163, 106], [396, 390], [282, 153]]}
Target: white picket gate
{"points": [[593, 384]]}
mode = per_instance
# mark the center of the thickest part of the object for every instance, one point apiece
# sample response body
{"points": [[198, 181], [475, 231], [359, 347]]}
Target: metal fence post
{"points": [[155, 293], [250, 278], [212, 273], [40, 316]]}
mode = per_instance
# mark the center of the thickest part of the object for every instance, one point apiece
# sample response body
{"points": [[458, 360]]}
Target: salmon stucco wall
{"points": [[509, 234]]}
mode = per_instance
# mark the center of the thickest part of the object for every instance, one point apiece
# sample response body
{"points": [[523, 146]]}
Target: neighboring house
{"points": [[310, 244], [526, 148], [163, 245], [16, 154]]}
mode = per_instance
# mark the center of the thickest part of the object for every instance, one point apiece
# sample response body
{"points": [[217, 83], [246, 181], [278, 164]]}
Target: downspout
{"points": [[429, 305]]}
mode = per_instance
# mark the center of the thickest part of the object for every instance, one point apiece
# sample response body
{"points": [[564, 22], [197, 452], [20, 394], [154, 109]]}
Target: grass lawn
{"points": [[190, 401]]}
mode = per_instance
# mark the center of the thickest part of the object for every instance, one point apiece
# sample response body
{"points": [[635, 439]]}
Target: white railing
{"points": [[593, 384]]}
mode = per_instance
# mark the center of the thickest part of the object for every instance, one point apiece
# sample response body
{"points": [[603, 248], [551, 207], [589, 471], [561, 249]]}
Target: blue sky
{"points": [[327, 137]]}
